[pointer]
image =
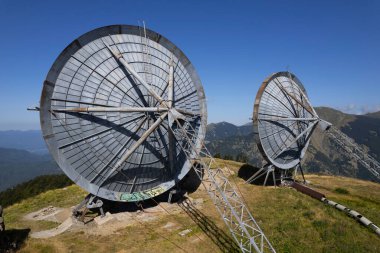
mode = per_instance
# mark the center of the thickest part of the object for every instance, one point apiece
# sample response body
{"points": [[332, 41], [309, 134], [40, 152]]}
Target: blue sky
{"points": [[332, 46]]}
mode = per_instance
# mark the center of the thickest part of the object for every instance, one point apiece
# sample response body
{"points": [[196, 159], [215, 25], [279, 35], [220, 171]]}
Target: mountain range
{"points": [[17, 166], [323, 155], [30, 140], [23, 154]]}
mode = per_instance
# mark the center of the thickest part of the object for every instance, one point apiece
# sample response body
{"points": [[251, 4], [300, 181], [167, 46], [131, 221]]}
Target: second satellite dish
{"points": [[107, 108], [284, 120]]}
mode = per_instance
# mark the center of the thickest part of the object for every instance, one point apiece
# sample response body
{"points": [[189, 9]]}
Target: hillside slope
{"points": [[222, 138], [32, 188], [17, 166], [323, 155], [293, 222], [374, 114]]}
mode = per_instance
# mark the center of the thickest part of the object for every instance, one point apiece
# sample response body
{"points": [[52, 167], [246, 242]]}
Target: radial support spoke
{"points": [[134, 132], [171, 84], [113, 109], [136, 145], [79, 102], [172, 145], [185, 112], [287, 119], [296, 139], [306, 107], [98, 133], [129, 68], [172, 150], [103, 77], [305, 97], [290, 110]]}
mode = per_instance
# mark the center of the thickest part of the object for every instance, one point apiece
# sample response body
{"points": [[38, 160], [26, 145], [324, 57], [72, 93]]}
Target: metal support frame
{"points": [[230, 205], [265, 170], [353, 150], [172, 193], [95, 202], [286, 176], [301, 170], [89, 202]]}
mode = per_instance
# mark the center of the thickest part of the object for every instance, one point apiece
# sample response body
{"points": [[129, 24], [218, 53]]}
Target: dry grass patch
{"points": [[293, 222]]}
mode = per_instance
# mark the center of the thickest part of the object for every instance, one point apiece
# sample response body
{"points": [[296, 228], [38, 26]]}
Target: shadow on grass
{"points": [[12, 240], [189, 184], [246, 171], [224, 242]]}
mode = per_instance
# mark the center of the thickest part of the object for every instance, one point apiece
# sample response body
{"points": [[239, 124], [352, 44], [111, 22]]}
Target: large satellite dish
{"points": [[284, 120], [123, 113], [106, 110]]}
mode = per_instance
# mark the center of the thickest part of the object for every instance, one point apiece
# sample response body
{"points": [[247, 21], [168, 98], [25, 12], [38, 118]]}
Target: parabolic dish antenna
{"points": [[284, 120], [106, 110]]}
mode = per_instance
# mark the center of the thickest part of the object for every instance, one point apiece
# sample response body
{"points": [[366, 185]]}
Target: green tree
{"points": [[241, 157], [217, 155], [228, 157]]}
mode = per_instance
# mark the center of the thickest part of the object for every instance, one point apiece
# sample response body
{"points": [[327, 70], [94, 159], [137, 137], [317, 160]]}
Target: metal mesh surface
{"points": [[88, 145], [283, 120]]}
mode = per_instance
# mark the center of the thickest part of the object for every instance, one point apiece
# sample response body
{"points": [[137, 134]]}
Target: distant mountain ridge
{"points": [[30, 140], [323, 155], [225, 129], [17, 166], [24, 155], [374, 114]]}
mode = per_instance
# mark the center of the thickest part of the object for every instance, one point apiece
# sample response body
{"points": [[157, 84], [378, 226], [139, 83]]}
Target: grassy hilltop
{"points": [[293, 222]]}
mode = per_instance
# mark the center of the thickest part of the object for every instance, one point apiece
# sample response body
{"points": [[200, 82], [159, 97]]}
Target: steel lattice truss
{"points": [[355, 151], [284, 120], [230, 205]]}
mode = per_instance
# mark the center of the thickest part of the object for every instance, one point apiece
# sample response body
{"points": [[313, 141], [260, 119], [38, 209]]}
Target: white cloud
{"points": [[359, 109]]}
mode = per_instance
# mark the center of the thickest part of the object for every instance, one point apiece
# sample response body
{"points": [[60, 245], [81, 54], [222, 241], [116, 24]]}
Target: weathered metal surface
{"points": [[283, 120], [354, 214], [105, 108], [308, 191], [320, 196]]}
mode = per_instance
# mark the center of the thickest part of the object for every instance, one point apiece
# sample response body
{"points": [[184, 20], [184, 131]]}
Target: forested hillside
{"points": [[32, 188], [17, 166]]}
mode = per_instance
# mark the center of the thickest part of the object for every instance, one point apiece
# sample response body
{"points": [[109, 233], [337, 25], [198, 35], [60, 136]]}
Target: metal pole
{"points": [[288, 119], [129, 68], [113, 109], [296, 139], [171, 84]]}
